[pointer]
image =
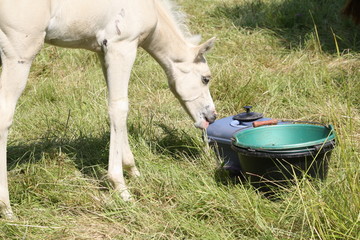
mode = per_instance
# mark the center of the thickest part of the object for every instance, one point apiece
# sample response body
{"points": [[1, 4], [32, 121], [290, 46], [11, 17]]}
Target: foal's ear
{"points": [[203, 48]]}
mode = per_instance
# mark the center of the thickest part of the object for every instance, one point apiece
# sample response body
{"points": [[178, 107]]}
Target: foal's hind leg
{"points": [[16, 59]]}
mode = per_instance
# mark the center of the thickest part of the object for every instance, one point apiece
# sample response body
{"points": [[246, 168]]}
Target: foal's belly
{"points": [[77, 23]]}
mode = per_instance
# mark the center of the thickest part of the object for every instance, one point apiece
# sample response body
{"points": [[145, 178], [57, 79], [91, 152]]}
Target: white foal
{"points": [[113, 29]]}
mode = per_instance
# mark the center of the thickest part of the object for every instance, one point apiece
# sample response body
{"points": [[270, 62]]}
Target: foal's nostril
{"points": [[215, 115], [211, 118]]}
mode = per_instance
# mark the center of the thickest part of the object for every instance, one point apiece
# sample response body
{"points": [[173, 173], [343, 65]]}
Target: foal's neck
{"points": [[167, 43]]}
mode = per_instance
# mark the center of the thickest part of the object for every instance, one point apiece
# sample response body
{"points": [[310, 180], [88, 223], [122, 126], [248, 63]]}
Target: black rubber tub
{"points": [[276, 155]]}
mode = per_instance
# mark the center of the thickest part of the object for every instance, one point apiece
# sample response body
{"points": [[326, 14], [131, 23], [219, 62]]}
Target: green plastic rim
{"points": [[284, 137]]}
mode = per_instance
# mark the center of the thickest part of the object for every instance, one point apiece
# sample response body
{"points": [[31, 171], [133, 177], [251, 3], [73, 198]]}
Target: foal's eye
{"points": [[205, 79]]}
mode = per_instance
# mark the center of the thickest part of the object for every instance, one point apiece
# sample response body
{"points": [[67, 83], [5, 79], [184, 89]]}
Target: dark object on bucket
{"points": [[220, 133], [275, 155]]}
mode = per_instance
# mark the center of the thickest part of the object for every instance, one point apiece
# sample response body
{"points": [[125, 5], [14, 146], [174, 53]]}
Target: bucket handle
{"points": [[276, 121]]}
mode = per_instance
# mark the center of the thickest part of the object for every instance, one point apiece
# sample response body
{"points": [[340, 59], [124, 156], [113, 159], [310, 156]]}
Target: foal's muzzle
{"points": [[206, 120]]}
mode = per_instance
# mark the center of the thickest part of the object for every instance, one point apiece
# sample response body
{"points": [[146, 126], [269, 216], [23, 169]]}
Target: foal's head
{"points": [[189, 81]]}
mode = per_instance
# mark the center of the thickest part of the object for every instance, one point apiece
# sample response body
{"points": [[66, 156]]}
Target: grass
{"points": [[279, 56]]}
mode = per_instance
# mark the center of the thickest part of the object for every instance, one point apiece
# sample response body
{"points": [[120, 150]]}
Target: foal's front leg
{"points": [[17, 53], [12, 82], [117, 64]]}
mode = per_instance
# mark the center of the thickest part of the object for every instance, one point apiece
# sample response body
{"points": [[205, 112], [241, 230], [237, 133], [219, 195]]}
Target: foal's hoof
{"points": [[126, 196], [8, 215]]}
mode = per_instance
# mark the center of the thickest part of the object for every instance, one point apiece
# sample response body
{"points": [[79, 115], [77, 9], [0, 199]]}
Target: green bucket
{"points": [[278, 154]]}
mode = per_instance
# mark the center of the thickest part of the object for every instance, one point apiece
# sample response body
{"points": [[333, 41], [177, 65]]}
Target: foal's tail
{"points": [[352, 9]]}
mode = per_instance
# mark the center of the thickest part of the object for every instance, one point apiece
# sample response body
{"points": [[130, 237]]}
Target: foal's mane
{"points": [[180, 20]]}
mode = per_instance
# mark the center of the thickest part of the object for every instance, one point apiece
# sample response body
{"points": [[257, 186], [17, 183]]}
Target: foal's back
{"points": [[78, 23]]}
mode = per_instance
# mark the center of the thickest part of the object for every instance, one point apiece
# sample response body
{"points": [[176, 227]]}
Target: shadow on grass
{"points": [[164, 139], [177, 143], [295, 22], [87, 152], [84, 151]]}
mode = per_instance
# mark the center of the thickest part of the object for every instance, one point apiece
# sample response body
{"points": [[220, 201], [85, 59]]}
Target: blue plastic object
{"points": [[220, 134]]}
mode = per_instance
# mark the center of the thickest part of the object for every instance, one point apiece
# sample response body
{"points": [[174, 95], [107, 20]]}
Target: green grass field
{"points": [[288, 59]]}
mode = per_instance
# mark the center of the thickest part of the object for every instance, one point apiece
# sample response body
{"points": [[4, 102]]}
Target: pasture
{"points": [[288, 59]]}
